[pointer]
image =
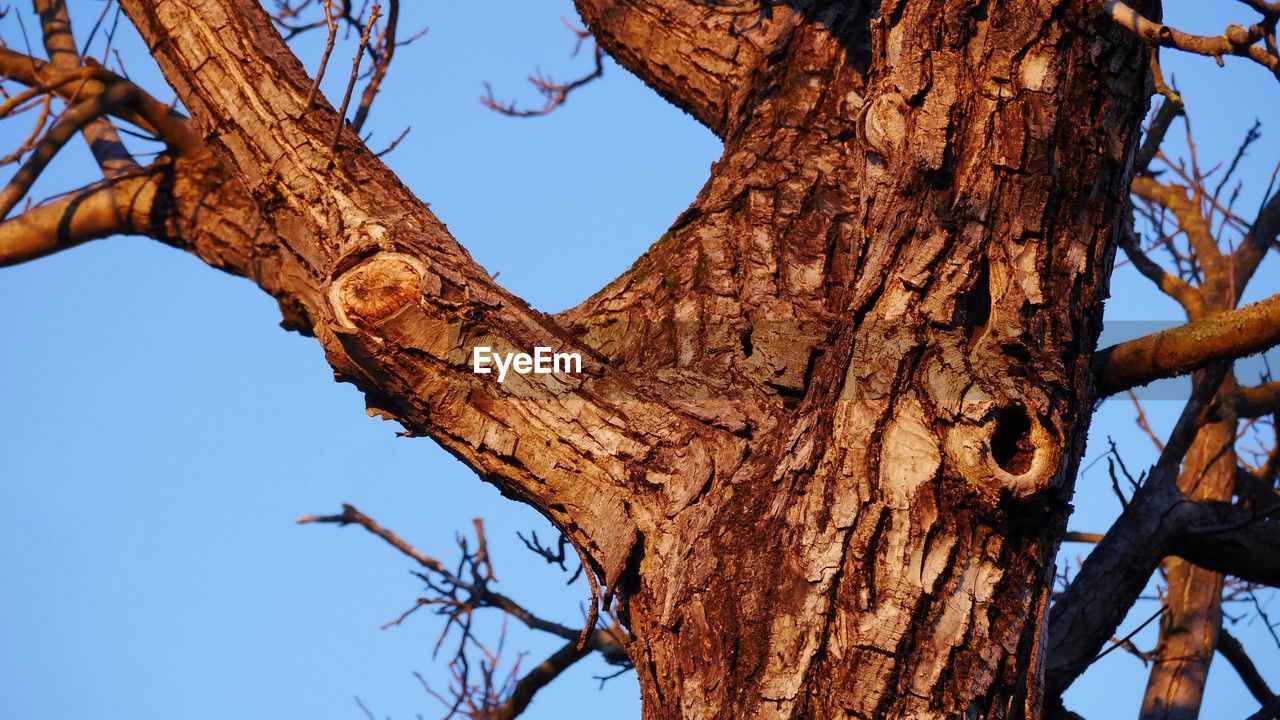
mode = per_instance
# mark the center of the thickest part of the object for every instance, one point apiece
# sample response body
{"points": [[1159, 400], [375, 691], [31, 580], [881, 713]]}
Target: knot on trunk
{"points": [[1009, 452], [885, 124], [376, 289]]}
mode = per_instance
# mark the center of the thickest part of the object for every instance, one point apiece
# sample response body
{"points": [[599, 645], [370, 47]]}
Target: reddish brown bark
{"points": [[823, 448], [870, 334]]}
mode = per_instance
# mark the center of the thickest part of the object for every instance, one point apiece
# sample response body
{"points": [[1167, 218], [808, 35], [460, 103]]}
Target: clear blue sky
{"points": [[159, 433]]}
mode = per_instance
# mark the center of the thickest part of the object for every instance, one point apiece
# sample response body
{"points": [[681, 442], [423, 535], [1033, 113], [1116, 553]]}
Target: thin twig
{"points": [[374, 14], [332, 25], [1130, 636]]}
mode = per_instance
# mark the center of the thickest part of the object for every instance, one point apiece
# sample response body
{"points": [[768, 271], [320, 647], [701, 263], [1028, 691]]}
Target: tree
{"points": [[822, 452]]}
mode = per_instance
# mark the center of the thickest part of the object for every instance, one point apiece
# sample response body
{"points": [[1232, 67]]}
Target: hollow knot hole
{"points": [[1011, 445]]}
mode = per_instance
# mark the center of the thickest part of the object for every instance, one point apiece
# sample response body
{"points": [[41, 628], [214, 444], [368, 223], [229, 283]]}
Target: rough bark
{"points": [[397, 303], [824, 444], [888, 556], [700, 57]]}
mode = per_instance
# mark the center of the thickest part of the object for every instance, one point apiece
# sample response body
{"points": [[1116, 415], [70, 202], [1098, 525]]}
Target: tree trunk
{"points": [[823, 450], [887, 553]]}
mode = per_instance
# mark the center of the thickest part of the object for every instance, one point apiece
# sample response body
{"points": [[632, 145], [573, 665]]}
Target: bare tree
{"points": [[822, 450]]}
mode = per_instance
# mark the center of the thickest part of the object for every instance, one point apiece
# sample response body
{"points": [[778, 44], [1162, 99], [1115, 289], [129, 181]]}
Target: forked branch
{"points": [[554, 94], [457, 594]]}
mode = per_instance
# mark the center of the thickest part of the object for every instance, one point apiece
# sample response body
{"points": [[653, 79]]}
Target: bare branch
{"points": [[374, 14], [1127, 640], [1175, 287], [1180, 350], [332, 26], [1270, 711], [601, 640], [140, 109], [71, 123], [1112, 577], [1190, 218], [1234, 652], [104, 141], [113, 206], [1235, 40], [1259, 400], [1249, 550], [1268, 9], [352, 516], [538, 678], [382, 62], [1260, 238], [1168, 112], [554, 94]]}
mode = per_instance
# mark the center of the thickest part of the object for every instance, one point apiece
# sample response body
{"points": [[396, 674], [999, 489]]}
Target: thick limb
{"points": [[397, 303]]}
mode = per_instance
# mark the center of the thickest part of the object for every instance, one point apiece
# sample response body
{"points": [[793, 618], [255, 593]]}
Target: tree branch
{"points": [[1112, 577], [1187, 210], [72, 122], [695, 54], [1168, 112], [141, 109], [1180, 350], [1235, 40], [599, 640], [59, 42], [1259, 400], [538, 678], [398, 304], [1232, 540], [118, 205], [554, 94], [1250, 552], [1270, 711], [1260, 238], [382, 62], [1186, 295], [1231, 649]]}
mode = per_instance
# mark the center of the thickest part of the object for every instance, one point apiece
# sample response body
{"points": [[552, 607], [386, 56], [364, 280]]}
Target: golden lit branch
{"points": [[104, 142], [117, 205], [1187, 210], [1180, 350], [141, 109]]}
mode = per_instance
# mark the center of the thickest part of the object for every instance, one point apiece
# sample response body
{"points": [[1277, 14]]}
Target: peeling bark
{"points": [[823, 448]]}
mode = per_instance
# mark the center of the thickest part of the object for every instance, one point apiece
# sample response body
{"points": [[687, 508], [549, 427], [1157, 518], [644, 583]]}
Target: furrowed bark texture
{"points": [[398, 304], [918, 296], [822, 451]]}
